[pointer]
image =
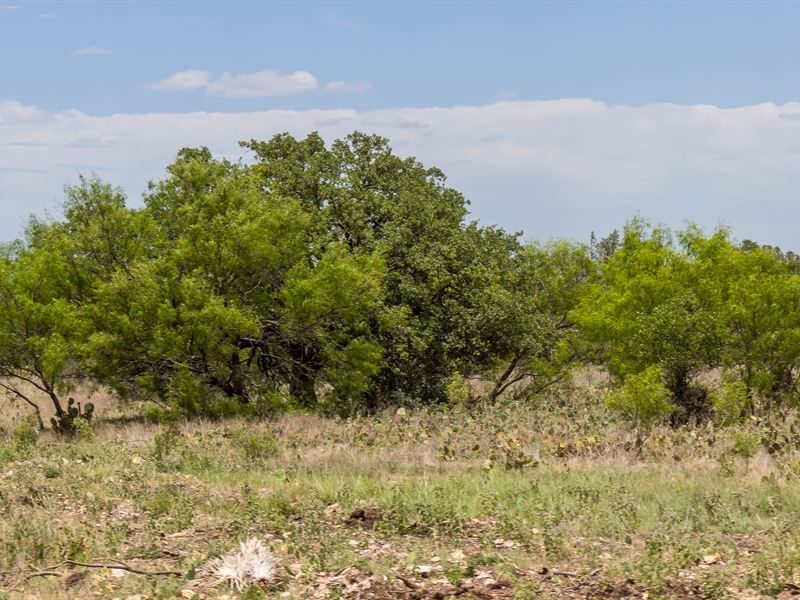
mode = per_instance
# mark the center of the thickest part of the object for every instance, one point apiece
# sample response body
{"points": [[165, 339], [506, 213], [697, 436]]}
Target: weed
{"points": [[746, 443], [167, 448]]}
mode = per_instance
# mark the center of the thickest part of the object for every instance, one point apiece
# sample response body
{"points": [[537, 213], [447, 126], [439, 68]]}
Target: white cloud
{"points": [[262, 83], [8, 7], [90, 51], [351, 86], [182, 81], [562, 167], [49, 15], [243, 85], [507, 95]]}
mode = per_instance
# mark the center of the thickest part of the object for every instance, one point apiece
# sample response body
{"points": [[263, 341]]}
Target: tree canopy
{"points": [[344, 278]]}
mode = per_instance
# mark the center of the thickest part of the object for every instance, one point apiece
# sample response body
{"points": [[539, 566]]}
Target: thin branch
{"points": [[44, 574], [113, 565]]}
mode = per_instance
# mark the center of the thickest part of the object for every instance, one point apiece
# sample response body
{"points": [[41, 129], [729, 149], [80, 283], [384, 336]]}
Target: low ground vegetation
{"points": [[553, 498]]}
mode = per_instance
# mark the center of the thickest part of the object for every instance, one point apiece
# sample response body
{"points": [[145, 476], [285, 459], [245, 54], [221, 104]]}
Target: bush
{"points": [[258, 446], [644, 399], [167, 450], [746, 443], [457, 390], [158, 414], [731, 403], [25, 433], [227, 408]]}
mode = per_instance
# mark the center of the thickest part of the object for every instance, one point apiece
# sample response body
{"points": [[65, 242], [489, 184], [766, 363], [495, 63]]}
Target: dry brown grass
{"points": [[516, 493], [13, 409]]}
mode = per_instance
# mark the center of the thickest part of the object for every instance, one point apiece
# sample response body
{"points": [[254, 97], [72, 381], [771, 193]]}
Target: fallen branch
{"points": [[548, 571], [44, 574], [51, 571], [410, 584]]}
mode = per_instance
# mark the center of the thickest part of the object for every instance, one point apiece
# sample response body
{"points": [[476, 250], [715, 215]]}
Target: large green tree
{"points": [[236, 294], [645, 309], [444, 277]]}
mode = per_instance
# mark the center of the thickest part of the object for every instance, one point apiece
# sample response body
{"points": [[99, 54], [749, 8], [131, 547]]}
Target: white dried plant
{"points": [[251, 564]]}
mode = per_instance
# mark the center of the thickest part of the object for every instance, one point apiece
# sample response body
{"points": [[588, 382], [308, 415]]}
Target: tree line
{"points": [[344, 278]]}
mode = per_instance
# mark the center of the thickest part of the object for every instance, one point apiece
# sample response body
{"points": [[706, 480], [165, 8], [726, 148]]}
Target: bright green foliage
{"points": [[49, 293], [457, 389], [325, 319], [758, 293], [644, 310], [240, 297], [644, 399], [41, 329], [693, 306], [344, 277], [731, 402], [155, 322]]}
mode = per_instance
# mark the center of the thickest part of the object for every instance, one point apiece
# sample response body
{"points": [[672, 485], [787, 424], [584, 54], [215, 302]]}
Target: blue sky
{"points": [[592, 107], [413, 54]]}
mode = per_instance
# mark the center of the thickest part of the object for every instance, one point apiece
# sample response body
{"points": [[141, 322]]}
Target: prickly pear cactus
{"points": [[66, 423]]}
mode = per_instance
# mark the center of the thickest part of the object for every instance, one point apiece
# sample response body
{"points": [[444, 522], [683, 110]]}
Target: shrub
{"points": [[457, 390], [168, 448], [25, 433], [731, 402], [158, 414], [259, 446], [746, 443], [644, 399]]}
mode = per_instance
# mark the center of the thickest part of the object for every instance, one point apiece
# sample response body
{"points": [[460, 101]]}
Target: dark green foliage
{"points": [[344, 278], [438, 270], [340, 277]]}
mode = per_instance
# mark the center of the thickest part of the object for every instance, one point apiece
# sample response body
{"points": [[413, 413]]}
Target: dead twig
{"points": [[51, 571], [44, 574], [409, 584], [547, 571]]}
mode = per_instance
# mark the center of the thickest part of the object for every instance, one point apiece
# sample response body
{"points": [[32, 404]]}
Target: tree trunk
{"points": [[500, 385], [302, 387], [56, 403]]}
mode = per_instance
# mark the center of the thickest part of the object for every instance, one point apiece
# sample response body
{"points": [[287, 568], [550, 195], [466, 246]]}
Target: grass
{"points": [[548, 499]]}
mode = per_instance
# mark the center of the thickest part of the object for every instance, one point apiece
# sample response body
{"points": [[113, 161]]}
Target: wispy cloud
{"points": [[90, 51], [348, 86], [182, 81], [507, 95], [554, 168], [5, 169], [8, 7], [49, 15], [262, 83], [252, 85]]}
